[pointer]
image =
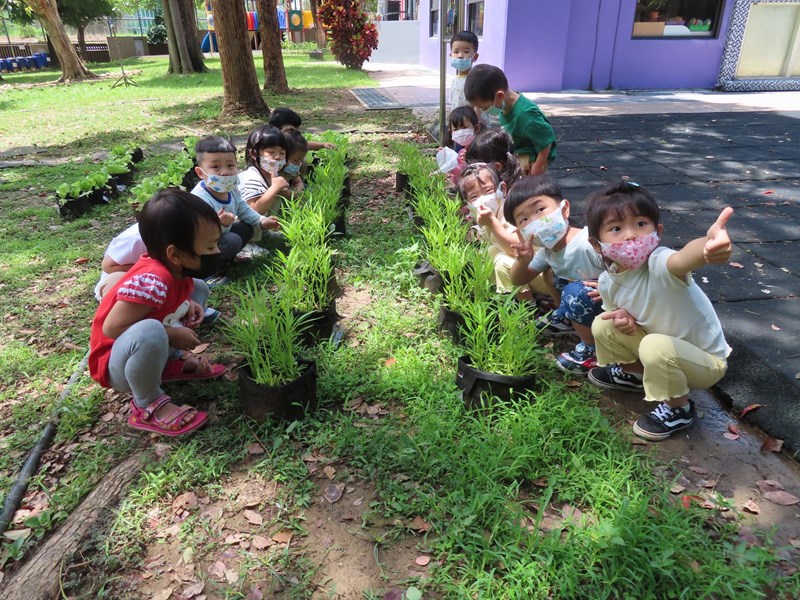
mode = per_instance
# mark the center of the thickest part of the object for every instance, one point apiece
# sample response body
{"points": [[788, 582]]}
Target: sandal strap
{"points": [[174, 420], [150, 410]]}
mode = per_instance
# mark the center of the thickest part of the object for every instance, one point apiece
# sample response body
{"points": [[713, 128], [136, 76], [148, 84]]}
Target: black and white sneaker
{"points": [[554, 327], [664, 421], [613, 377]]}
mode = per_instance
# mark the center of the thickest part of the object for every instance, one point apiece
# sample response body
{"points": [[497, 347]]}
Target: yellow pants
{"points": [[671, 365], [502, 275]]}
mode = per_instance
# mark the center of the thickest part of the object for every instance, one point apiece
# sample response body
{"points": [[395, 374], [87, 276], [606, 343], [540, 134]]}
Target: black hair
{"points": [[496, 146], [212, 144], [294, 142], [465, 36], [483, 82], [473, 170], [530, 186], [618, 201], [283, 116], [262, 137], [171, 218], [457, 116]]}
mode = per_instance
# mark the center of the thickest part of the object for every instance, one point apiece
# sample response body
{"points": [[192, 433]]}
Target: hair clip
{"points": [[629, 182]]}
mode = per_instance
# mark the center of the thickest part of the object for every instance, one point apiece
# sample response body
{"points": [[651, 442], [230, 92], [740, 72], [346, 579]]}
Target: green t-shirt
{"points": [[529, 128]]}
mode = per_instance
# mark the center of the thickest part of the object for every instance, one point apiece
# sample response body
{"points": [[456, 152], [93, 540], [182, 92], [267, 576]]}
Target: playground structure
{"points": [[291, 22]]}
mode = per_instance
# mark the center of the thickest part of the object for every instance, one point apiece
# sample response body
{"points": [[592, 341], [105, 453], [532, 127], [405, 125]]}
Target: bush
{"points": [[352, 36], [157, 34]]}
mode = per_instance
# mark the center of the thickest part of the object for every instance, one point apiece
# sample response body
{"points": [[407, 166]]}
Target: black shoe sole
{"points": [[614, 386]]}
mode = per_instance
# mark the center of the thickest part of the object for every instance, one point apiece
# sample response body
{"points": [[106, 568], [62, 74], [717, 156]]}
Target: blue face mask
{"points": [[291, 169], [495, 111], [461, 64]]}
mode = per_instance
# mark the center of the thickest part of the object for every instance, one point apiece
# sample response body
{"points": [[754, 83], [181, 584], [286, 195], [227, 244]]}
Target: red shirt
{"points": [[147, 282]]}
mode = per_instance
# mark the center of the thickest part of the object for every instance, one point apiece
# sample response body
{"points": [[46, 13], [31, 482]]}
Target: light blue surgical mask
{"points": [[461, 64], [495, 111], [291, 169]]}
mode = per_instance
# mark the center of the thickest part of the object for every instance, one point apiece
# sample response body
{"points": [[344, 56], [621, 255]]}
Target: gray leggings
{"points": [[139, 355]]}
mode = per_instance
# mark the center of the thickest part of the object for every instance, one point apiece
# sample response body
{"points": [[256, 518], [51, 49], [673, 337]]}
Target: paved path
{"points": [[697, 151]]}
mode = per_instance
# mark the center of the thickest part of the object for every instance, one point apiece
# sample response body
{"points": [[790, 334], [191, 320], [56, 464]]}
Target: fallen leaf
{"points": [[162, 450], [200, 348], [187, 556], [710, 483], [284, 536], [781, 497], [185, 501], [772, 444], [759, 265], [736, 265], [163, 594], [394, 594], [390, 361], [573, 383], [731, 436], [602, 168], [747, 536], [733, 428], [260, 542], [687, 500], [768, 192], [232, 576], [254, 594], [255, 448], [80, 261], [795, 542], [676, 489], [193, 590], [333, 492], [18, 534], [253, 517], [698, 470], [330, 472], [358, 501], [422, 560], [751, 507], [769, 485], [749, 408], [419, 524], [107, 417], [775, 327], [413, 593]]}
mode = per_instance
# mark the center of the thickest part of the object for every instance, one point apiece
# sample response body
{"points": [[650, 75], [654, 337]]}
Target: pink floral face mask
{"points": [[631, 254]]}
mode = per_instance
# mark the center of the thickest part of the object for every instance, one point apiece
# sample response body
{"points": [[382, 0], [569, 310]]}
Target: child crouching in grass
{"points": [[147, 320]]}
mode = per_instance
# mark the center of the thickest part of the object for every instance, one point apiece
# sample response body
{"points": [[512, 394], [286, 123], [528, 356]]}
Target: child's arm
{"points": [[521, 273], [539, 166], [714, 248], [261, 204], [504, 237], [320, 145], [109, 265], [124, 314]]}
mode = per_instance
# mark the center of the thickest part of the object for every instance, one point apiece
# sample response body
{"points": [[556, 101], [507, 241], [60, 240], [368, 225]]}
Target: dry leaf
{"points": [[769, 485], [749, 408], [703, 483], [253, 517], [389, 361], [772, 444], [781, 497], [254, 594], [733, 428], [394, 594], [163, 594], [676, 489], [333, 492], [419, 524], [284, 536], [80, 261], [775, 327], [746, 535], [358, 501], [185, 501], [751, 507], [255, 448], [107, 417], [759, 265], [768, 192], [731, 436], [423, 560], [193, 590], [162, 450], [330, 472], [232, 576], [795, 542], [260, 542], [18, 534], [687, 500], [698, 470], [736, 265], [200, 348], [573, 383]]}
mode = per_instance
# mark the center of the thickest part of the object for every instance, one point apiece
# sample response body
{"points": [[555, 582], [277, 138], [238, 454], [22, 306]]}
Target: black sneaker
{"points": [[554, 327], [664, 421], [613, 377]]}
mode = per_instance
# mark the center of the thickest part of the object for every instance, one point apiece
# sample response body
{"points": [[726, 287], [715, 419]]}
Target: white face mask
{"points": [[222, 184], [490, 201], [631, 254], [548, 229], [463, 137], [271, 165]]}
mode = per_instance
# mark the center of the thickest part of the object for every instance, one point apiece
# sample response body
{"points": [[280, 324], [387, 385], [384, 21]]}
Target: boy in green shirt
{"points": [[487, 88]]}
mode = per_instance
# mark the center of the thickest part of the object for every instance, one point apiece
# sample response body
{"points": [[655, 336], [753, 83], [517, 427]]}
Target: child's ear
{"points": [[503, 187], [474, 57], [174, 255], [660, 230], [199, 172], [566, 209], [498, 167]]}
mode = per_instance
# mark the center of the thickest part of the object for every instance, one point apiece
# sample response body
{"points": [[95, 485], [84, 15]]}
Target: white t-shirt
{"points": [[577, 261], [252, 184], [663, 303], [457, 97], [124, 249]]}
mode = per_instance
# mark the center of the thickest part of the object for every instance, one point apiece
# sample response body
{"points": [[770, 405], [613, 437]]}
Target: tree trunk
{"points": [[318, 29], [82, 43], [239, 80], [174, 59], [185, 55], [72, 67], [189, 21], [274, 73], [39, 577], [180, 37]]}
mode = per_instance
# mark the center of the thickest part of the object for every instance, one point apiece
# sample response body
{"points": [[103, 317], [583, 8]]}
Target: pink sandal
{"points": [[145, 419], [173, 371]]}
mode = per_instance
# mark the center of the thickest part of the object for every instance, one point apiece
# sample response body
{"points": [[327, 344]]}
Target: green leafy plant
{"points": [[353, 37], [469, 277]]}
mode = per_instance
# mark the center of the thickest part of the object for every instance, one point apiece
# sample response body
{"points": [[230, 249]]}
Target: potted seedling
{"points": [[71, 201], [470, 279], [273, 379], [408, 155]]}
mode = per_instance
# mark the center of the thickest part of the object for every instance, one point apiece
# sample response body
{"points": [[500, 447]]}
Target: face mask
{"points": [[222, 184], [209, 264], [461, 64], [631, 254], [291, 169], [548, 229], [494, 111], [487, 200], [271, 165], [463, 137]]}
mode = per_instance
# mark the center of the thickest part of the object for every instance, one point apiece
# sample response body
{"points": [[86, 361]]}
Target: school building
{"points": [[554, 45]]}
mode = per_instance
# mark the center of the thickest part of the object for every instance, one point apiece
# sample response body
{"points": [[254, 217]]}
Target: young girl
{"points": [[145, 322], [481, 188], [259, 184], [540, 211], [495, 146], [285, 118], [659, 331], [296, 150], [463, 125]]}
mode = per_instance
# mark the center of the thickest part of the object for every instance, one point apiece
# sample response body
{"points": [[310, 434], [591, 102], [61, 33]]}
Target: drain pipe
{"points": [[17, 491]]}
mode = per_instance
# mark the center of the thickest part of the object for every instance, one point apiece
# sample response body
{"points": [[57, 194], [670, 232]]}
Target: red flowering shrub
{"points": [[352, 36]]}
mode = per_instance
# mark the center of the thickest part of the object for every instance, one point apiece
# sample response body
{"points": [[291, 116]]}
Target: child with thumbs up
{"points": [[659, 332]]}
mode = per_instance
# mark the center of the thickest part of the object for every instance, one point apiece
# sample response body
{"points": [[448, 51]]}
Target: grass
{"points": [[501, 491]]}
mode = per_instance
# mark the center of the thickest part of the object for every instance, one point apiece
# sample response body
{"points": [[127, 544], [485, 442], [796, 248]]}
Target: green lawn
{"points": [[543, 498]]}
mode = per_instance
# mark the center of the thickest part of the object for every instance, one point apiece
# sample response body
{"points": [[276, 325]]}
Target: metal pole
{"points": [[442, 70], [139, 16], [8, 37]]}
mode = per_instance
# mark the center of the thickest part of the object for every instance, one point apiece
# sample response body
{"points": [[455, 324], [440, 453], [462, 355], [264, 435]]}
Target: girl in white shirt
{"points": [[659, 332]]}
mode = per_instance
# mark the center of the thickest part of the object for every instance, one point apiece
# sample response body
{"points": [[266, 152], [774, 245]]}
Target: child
{"points": [[482, 190], [283, 117], [219, 178], [260, 184], [463, 53], [534, 139], [495, 147], [144, 323], [538, 208], [295, 168], [659, 333], [463, 125]]}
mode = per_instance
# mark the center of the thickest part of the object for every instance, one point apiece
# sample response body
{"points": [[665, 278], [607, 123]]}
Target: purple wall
{"points": [[546, 45]]}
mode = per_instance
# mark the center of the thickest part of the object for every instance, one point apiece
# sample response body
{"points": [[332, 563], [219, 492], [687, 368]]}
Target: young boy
{"points": [[463, 53], [284, 118], [218, 187], [486, 87]]}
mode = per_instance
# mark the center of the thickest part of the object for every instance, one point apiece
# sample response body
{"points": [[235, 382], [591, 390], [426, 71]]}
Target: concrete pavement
{"points": [[697, 151]]}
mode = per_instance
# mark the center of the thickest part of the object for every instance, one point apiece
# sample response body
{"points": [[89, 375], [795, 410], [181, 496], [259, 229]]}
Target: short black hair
{"points": [[465, 36], [295, 142], [212, 144], [530, 187], [496, 146], [283, 116], [172, 217], [483, 82], [262, 137], [457, 116], [617, 201]]}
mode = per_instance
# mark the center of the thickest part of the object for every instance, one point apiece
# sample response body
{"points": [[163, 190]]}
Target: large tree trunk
{"points": [[72, 67], [82, 43], [172, 46], [274, 73], [189, 21], [318, 29], [239, 80], [180, 37], [185, 55]]}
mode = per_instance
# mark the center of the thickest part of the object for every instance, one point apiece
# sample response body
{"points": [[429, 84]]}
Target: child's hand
{"points": [[718, 247], [270, 223], [595, 293], [328, 145], [523, 250], [622, 319], [195, 315], [279, 183], [485, 216], [182, 338], [226, 219], [538, 169]]}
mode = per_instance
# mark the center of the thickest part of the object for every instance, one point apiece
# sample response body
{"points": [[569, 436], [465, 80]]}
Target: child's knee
{"points": [[656, 348], [577, 305], [603, 329]]}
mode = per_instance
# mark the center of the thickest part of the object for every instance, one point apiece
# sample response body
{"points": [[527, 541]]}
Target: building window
{"points": [[452, 18], [677, 18], [475, 17]]}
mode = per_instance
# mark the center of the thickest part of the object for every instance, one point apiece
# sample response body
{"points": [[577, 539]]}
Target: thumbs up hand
{"points": [[718, 245]]}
